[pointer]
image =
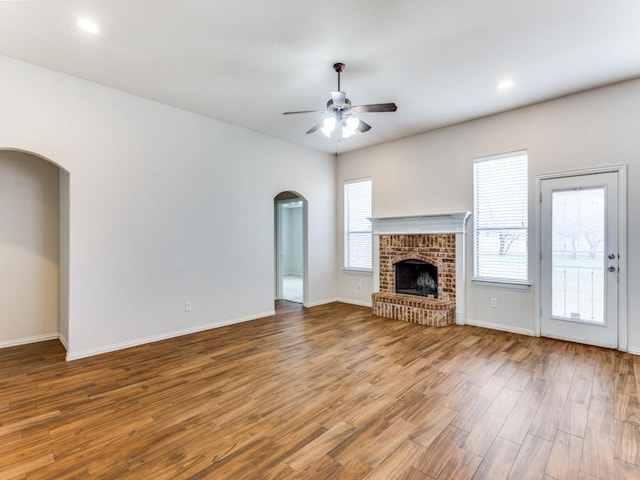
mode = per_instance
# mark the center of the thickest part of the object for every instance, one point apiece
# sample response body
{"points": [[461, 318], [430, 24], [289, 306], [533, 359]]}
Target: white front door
{"points": [[580, 258]]}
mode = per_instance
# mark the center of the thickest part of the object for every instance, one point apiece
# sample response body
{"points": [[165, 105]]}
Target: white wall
{"points": [[432, 173], [164, 206], [29, 245]]}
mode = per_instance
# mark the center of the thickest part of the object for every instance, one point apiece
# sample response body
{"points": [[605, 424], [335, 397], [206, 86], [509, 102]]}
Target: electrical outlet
{"points": [[359, 285], [187, 306], [494, 303]]}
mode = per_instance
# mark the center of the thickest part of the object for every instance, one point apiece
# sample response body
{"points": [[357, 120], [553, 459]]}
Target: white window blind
{"points": [[357, 226], [501, 218]]}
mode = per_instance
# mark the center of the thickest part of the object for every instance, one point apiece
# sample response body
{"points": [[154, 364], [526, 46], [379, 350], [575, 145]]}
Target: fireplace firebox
{"points": [[416, 277]]}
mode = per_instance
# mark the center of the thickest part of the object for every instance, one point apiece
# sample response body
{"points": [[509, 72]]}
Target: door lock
{"points": [[611, 256]]}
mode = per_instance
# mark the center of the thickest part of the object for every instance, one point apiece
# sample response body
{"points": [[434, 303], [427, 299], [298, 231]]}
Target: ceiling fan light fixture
{"points": [[328, 126], [349, 127]]}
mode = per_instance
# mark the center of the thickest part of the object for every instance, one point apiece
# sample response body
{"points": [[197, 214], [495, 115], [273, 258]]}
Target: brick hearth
{"points": [[410, 308]]}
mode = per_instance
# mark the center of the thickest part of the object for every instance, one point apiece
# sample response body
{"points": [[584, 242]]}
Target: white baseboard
{"points": [[164, 336], [354, 302], [530, 333], [27, 340], [64, 341], [319, 302], [499, 326]]}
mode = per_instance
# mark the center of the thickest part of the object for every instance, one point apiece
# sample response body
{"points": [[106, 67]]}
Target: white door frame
{"points": [[278, 241], [621, 170]]}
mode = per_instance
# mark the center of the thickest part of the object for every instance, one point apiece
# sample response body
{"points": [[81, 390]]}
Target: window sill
{"points": [[501, 284], [359, 271]]}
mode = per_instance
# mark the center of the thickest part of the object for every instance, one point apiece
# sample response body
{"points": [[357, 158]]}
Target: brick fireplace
{"points": [[433, 245]]}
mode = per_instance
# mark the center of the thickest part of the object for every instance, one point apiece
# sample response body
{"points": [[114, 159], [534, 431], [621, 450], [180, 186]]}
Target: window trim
{"points": [[504, 282]]}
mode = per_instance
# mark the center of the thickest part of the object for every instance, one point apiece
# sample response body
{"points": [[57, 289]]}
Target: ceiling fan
{"points": [[340, 113]]}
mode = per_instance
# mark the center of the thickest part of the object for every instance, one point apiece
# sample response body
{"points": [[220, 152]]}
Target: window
{"points": [[501, 218], [357, 226]]}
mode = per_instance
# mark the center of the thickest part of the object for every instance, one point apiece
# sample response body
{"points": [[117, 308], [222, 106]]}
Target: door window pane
{"points": [[578, 263]]}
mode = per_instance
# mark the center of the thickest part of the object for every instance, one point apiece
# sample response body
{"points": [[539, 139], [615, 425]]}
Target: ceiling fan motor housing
{"points": [[338, 108]]}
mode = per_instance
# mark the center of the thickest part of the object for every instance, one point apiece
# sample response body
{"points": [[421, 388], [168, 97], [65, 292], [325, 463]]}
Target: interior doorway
{"points": [[290, 242], [34, 249]]}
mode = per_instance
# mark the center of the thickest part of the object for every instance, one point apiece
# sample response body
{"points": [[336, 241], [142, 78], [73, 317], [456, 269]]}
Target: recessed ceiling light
{"points": [[505, 84], [87, 25]]}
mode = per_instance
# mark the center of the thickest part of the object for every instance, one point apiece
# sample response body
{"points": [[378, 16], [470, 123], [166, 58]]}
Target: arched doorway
{"points": [[291, 247], [34, 249]]}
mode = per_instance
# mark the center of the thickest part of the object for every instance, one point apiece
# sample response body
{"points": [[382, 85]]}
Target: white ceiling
{"points": [[247, 61]]}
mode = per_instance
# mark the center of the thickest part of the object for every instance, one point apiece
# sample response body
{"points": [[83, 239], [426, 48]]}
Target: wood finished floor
{"points": [[324, 393]]}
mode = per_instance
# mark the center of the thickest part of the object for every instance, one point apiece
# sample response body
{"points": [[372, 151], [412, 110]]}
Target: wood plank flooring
{"points": [[330, 392]]}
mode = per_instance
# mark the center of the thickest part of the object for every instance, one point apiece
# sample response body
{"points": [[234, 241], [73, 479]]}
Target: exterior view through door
{"points": [[580, 258]]}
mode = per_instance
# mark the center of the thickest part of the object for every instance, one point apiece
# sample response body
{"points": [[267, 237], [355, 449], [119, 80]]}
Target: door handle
{"points": [[612, 268], [611, 256]]}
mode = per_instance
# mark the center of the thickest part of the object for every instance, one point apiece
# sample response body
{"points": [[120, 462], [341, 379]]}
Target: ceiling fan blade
{"points": [[314, 128], [302, 111], [363, 127], [339, 98], [376, 107]]}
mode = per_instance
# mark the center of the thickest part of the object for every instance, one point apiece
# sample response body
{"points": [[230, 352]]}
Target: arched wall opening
{"points": [[291, 264], [34, 249]]}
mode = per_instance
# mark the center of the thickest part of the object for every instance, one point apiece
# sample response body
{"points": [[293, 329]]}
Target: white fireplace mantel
{"points": [[421, 224], [445, 223]]}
